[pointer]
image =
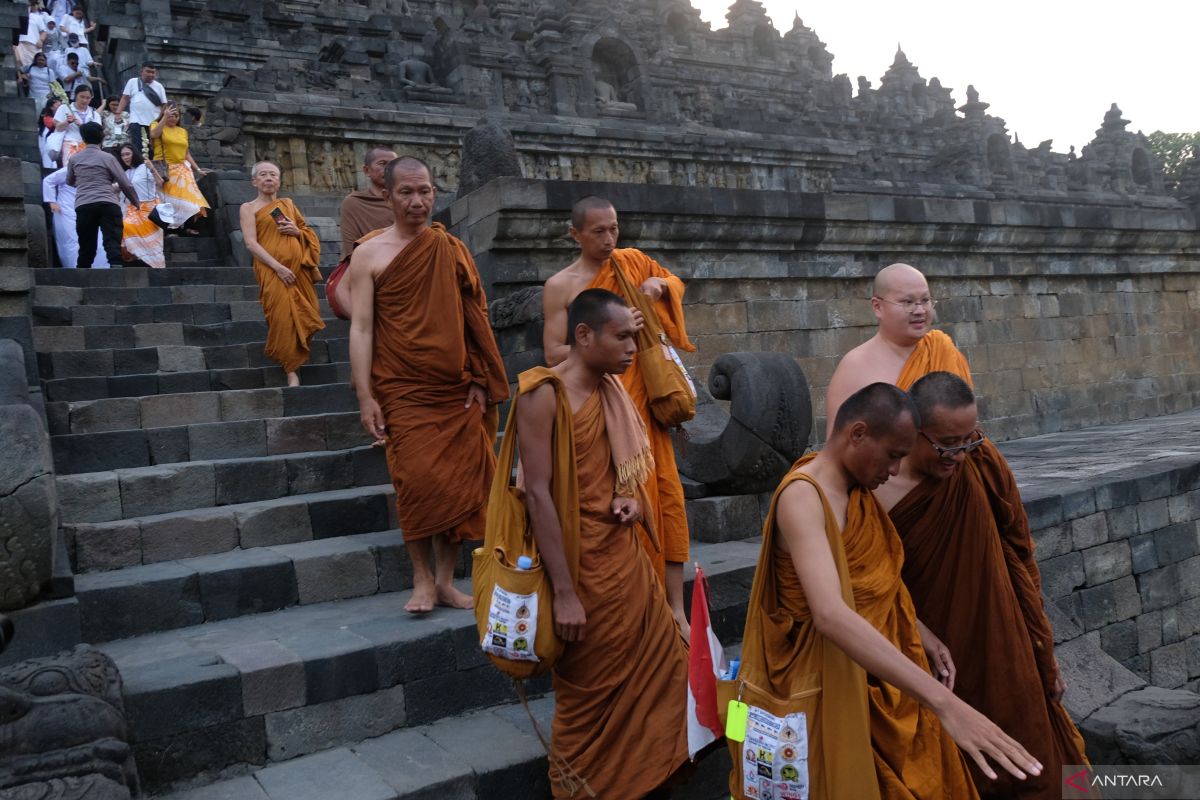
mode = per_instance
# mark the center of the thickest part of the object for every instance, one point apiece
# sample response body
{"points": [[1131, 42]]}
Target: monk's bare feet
{"points": [[423, 598], [452, 598]]}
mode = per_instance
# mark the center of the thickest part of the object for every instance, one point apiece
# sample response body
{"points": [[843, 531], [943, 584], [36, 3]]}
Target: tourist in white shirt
{"points": [[30, 42], [74, 75], [61, 198], [78, 25], [144, 106], [38, 76], [69, 118]]}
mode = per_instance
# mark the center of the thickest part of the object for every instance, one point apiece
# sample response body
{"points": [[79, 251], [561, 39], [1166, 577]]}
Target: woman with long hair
{"points": [[68, 120], [45, 129], [141, 238], [171, 145]]}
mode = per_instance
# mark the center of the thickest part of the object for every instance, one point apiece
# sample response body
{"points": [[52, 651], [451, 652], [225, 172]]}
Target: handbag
{"points": [[514, 612], [668, 385]]}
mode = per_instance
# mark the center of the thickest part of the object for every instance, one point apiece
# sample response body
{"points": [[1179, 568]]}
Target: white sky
{"points": [[1050, 69]]}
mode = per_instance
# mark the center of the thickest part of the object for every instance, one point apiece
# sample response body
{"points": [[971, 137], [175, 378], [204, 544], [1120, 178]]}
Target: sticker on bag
{"points": [[775, 756], [512, 625], [670, 354]]}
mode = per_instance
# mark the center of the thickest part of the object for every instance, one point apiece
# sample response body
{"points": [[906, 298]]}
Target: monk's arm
{"points": [[362, 342], [801, 522], [554, 323], [535, 424], [250, 237]]}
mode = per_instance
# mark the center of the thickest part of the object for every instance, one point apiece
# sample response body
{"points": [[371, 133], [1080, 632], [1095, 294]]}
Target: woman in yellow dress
{"points": [[171, 144]]}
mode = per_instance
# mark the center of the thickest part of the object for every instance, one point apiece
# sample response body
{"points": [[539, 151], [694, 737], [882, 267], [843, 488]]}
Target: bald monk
{"points": [[828, 614], [903, 349], [286, 255], [594, 227], [428, 375], [620, 687], [363, 213], [969, 566]]}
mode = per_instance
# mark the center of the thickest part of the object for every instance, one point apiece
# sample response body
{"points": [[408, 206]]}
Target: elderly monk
{"points": [[969, 566], [594, 227], [428, 375], [363, 213], [286, 254], [620, 687], [829, 613], [903, 349]]}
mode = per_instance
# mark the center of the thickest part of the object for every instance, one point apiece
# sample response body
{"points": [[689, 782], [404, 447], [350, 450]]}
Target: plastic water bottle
{"points": [[524, 562]]}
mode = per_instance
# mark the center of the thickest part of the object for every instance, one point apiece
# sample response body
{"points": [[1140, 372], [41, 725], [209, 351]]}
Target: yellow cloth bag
{"points": [[514, 612]]}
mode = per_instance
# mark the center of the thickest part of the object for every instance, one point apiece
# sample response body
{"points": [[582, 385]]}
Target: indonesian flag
{"points": [[706, 662]]}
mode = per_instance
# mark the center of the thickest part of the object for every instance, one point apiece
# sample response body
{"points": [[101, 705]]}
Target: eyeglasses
{"points": [[977, 439], [910, 306]]}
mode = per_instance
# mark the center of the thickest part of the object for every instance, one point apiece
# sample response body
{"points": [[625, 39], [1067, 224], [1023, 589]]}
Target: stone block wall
{"points": [[1071, 315], [1124, 562]]}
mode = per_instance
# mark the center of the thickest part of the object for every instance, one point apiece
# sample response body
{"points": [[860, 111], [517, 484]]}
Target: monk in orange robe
{"points": [[594, 227], [903, 349], [620, 687], [831, 630], [286, 255], [428, 375], [969, 565]]}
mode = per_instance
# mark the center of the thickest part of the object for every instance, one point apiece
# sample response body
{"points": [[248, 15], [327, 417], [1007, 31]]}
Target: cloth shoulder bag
{"points": [[514, 611], [672, 395]]}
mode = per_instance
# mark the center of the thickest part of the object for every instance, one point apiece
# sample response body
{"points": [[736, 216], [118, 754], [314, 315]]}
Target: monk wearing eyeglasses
{"points": [[969, 566], [905, 347]]}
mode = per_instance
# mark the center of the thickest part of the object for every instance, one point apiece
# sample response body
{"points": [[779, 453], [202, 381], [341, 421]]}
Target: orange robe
{"points": [[968, 562], [913, 755], [620, 694], [432, 340], [293, 312], [664, 489], [934, 353]]}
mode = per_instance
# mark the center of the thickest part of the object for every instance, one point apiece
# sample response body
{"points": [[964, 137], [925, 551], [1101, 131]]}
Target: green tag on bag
{"points": [[735, 721]]}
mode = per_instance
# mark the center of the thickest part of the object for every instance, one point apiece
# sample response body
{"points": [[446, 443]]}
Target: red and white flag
{"points": [[706, 663]]}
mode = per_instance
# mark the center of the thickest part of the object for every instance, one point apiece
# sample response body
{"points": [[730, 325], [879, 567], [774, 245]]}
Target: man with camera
{"points": [[144, 96]]}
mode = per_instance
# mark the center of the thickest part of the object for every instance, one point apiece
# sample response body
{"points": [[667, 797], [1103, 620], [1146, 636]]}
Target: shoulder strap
{"points": [[652, 332]]}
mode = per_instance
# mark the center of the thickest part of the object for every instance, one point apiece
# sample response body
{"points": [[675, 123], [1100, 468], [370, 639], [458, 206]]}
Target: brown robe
{"points": [[432, 340], [934, 353], [968, 562], [293, 312], [913, 755], [363, 212], [664, 488], [620, 694]]}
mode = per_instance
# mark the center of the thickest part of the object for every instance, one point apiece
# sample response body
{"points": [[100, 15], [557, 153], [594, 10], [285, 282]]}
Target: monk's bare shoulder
{"points": [[799, 509], [375, 254], [563, 286]]}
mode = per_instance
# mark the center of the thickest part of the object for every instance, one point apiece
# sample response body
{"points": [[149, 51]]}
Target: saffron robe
{"points": [[293, 312], [432, 340], [969, 565], [363, 212], [934, 353], [914, 757], [664, 489], [620, 694]]}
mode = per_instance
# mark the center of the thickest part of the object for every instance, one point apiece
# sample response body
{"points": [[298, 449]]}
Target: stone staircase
{"points": [[236, 553]]}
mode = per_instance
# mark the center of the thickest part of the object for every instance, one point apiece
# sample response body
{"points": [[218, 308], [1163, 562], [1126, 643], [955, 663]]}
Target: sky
{"points": [[1050, 69]]}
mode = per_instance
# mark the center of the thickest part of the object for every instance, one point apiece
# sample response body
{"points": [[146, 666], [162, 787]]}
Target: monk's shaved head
{"points": [[940, 390], [259, 166], [591, 307], [404, 164], [376, 152], [586, 205], [880, 406], [894, 276]]}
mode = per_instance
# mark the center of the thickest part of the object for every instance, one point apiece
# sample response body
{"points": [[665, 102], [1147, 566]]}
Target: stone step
{"points": [[98, 336], [207, 485], [101, 386], [194, 408], [144, 276], [154, 356], [142, 447], [186, 591], [46, 297], [270, 687], [131, 313], [440, 760]]}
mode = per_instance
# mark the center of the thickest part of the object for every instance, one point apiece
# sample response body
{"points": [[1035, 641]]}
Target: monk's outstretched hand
{"points": [[569, 617], [371, 416], [627, 510], [978, 737]]}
